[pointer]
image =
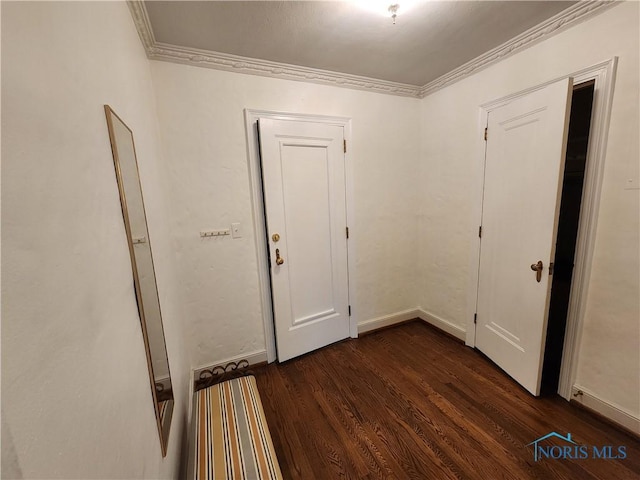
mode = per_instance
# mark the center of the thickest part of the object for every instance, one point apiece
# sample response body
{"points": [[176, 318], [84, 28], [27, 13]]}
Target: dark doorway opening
{"points": [[574, 172]]}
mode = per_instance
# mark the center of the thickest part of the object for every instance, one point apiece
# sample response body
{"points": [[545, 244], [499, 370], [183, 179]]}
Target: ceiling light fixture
{"points": [[393, 10], [384, 8]]}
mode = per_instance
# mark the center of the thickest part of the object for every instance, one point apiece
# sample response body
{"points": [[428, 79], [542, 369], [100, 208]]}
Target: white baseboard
{"points": [[442, 324], [388, 320], [259, 356], [403, 316], [609, 410]]}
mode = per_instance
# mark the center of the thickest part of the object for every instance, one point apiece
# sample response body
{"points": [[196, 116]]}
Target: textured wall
{"points": [[201, 117], [76, 401], [609, 363]]}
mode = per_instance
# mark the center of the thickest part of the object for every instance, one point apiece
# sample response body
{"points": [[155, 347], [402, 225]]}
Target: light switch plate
{"points": [[236, 231], [214, 233]]}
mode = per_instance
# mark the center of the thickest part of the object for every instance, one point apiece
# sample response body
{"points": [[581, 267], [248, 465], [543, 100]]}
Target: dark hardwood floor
{"points": [[411, 402]]}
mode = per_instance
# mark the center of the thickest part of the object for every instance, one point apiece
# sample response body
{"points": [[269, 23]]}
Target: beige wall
{"points": [[76, 401], [202, 123], [609, 362]]}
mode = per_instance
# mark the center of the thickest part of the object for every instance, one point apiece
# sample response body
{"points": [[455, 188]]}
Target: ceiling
{"points": [[357, 37]]}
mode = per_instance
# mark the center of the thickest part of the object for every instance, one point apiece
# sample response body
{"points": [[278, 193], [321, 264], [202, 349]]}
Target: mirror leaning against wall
{"points": [[144, 278]]}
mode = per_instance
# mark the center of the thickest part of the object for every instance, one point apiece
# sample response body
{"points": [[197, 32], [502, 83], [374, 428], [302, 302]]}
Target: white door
{"points": [[524, 167], [303, 176]]}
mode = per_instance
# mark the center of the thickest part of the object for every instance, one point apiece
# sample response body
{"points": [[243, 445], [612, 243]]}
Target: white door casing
{"points": [[303, 173], [523, 179]]}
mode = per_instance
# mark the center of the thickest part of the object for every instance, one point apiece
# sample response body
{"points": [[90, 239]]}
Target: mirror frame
{"points": [[163, 412]]}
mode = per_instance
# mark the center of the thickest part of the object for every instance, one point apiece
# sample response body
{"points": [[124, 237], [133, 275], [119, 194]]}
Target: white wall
{"points": [[76, 401], [609, 363], [203, 131]]}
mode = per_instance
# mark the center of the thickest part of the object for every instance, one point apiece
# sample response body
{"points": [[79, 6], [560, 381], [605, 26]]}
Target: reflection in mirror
{"points": [[144, 278]]}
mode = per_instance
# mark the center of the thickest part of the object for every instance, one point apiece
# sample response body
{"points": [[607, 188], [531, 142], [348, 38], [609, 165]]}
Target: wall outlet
{"points": [[236, 230]]}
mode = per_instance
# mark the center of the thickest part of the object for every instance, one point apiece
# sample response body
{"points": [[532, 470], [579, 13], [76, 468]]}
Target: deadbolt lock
{"points": [[275, 237]]}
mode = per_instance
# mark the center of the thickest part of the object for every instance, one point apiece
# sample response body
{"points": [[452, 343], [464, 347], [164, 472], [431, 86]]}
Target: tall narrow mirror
{"points": [[144, 277]]}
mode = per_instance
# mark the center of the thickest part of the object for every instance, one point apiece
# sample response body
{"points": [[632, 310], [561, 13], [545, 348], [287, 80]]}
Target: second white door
{"points": [[304, 188], [523, 178]]}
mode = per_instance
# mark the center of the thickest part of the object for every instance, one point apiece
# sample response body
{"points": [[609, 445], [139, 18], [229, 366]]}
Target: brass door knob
{"points": [[275, 237], [537, 267], [280, 260]]}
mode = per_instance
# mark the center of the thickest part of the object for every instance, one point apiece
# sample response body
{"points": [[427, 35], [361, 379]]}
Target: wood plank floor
{"points": [[411, 402]]}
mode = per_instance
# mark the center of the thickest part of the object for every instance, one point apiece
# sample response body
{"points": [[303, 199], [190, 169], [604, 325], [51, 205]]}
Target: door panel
{"points": [[304, 189], [308, 220], [523, 178]]}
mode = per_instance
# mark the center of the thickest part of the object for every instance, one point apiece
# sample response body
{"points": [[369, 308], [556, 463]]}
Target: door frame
{"points": [[604, 76], [251, 117]]}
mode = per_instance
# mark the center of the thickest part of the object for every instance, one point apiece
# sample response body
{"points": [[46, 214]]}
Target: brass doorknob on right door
{"points": [[280, 260], [537, 267]]}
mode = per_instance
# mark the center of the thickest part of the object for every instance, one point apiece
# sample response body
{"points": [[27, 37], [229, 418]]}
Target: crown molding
{"points": [[142, 23], [567, 18], [252, 66]]}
